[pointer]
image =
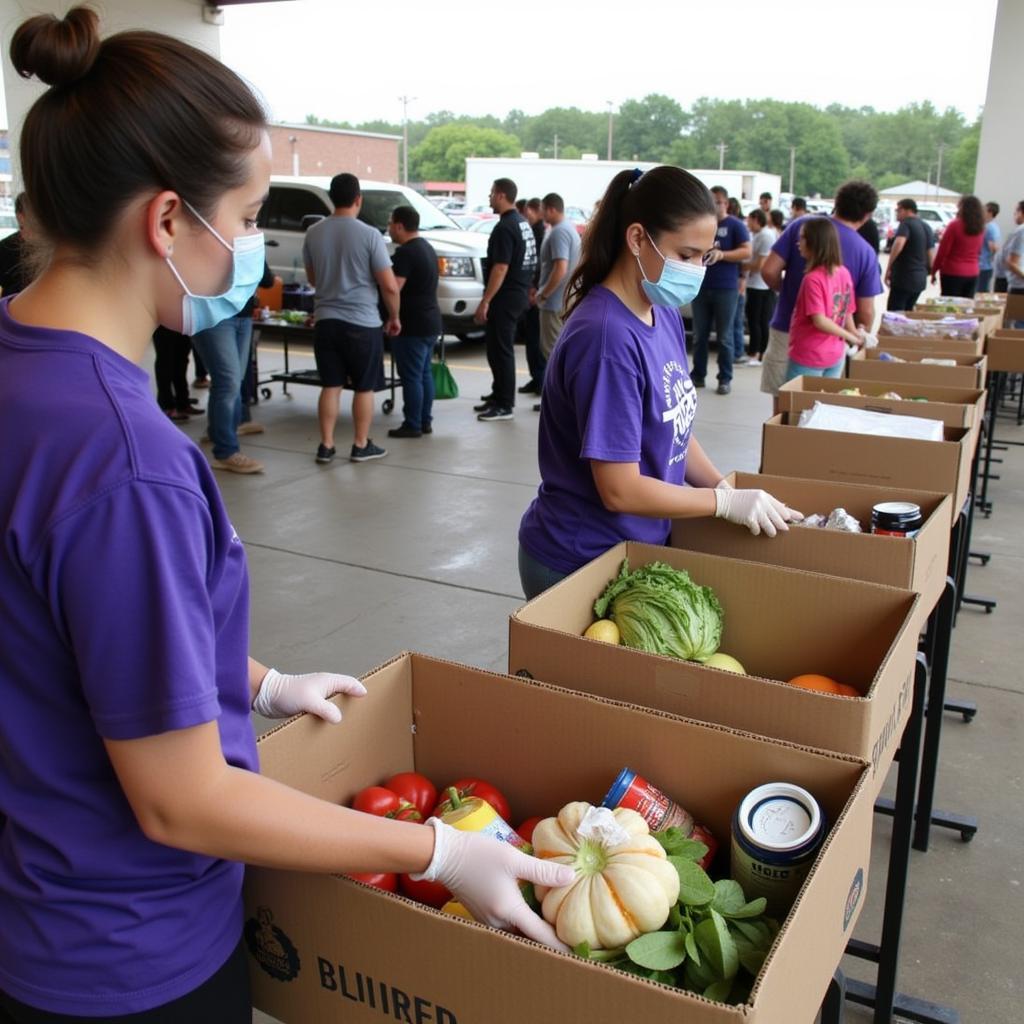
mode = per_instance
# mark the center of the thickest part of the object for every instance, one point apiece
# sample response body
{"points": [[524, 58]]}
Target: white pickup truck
{"points": [[295, 203]]}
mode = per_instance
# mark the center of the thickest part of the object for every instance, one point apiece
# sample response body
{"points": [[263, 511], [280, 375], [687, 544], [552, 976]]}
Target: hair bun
{"points": [[57, 52]]}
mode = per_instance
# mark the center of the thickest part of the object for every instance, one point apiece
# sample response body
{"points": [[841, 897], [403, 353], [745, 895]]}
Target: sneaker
{"points": [[487, 403], [404, 431], [201, 382], [426, 429], [754, 361], [531, 387], [536, 407], [698, 382], [487, 398], [723, 389], [740, 360], [367, 452], [177, 415], [238, 463], [495, 412], [250, 427], [325, 454]]}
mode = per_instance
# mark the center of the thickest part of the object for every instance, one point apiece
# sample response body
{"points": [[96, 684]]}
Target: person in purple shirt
{"points": [[129, 788], [719, 296], [783, 270], [618, 459]]}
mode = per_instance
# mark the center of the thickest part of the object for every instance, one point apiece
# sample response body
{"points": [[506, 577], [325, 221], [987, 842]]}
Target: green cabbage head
{"points": [[661, 610]]}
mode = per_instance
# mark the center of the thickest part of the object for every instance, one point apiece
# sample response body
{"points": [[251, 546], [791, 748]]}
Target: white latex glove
{"points": [[724, 485], [281, 696], [483, 875], [868, 340], [756, 510]]}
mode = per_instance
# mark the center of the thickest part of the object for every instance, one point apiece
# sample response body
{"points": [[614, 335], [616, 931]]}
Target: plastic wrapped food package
{"points": [[837, 519], [861, 421]]}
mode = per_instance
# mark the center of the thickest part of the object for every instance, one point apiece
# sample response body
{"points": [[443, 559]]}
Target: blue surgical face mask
{"points": [[678, 284], [198, 312]]}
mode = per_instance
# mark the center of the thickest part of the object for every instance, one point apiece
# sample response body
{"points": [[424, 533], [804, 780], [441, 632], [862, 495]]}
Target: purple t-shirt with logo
{"points": [[124, 602], [615, 390], [858, 258]]}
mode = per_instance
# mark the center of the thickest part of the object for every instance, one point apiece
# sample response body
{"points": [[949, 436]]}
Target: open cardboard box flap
{"points": [[543, 746], [969, 371]]}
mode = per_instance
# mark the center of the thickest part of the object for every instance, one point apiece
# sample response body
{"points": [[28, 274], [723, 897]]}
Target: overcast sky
{"points": [[352, 62]]}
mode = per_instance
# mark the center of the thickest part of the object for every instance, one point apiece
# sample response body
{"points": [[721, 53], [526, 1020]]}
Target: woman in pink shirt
{"points": [[957, 258], [822, 320]]}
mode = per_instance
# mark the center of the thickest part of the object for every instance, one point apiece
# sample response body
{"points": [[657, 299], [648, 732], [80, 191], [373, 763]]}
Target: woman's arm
{"points": [[185, 795], [700, 470], [624, 489]]}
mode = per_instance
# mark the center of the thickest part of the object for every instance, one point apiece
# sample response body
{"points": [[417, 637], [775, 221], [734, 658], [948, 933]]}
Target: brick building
{"points": [[310, 150]]}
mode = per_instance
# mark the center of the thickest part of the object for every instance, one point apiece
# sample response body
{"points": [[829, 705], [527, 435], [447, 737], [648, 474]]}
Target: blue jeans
{"points": [[535, 576], [412, 357], [985, 280], [718, 306], [224, 350], [738, 348], [799, 370]]}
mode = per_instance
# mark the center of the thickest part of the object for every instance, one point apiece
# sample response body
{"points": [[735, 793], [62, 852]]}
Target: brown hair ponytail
{"points": [[135, 113], [661, 199]]}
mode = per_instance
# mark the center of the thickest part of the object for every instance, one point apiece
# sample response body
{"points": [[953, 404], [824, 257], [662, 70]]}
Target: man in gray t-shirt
{"points": [[558, 258], [348, 265]]}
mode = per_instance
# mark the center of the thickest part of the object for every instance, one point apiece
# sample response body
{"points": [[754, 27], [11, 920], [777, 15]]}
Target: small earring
{"points": [[170, 249]]}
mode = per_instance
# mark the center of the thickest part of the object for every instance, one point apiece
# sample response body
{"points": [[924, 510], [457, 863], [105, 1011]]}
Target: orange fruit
{"points": [[813, 681], [847, 691]]}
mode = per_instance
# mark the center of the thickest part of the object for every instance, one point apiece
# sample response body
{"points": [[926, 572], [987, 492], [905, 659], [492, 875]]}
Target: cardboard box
{"points": [[1014, 309], [913, 563], [969, 371], [324, 948], [938, 466], [956, 407], [779, 623], [988, 320], [974, 345], [1005, 351]]}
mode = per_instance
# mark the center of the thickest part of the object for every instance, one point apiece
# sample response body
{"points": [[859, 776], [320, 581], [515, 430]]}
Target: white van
{"points": [[295, 203]]}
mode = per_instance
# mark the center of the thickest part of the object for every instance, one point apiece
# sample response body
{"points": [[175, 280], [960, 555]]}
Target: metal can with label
{"points": [[896, 519], [777, 831], [659, 811]]}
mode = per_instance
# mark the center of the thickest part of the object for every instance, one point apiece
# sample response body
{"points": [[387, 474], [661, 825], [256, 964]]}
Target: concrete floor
{"points": [[352, 563]]}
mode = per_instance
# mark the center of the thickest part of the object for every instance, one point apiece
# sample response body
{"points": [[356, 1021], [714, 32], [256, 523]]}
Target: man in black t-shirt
{"points": [[14, 261], [911, 258], [415, 265], [511, 262]]}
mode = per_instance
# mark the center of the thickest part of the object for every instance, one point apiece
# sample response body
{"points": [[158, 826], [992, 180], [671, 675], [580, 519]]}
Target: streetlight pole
{"points": [[555, 157], [792, 166], [405, 101], [721, 147], [610, 108], [938, 170]]}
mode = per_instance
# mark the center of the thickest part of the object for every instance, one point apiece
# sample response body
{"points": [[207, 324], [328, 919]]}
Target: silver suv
{"points": [[295, 203]]}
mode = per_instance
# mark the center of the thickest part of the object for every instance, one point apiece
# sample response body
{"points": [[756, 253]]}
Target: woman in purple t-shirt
{"points": [[129, 787], [617, 459]]}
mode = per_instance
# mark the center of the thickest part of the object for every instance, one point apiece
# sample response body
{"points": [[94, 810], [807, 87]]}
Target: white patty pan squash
{"points": [[624, 884]]}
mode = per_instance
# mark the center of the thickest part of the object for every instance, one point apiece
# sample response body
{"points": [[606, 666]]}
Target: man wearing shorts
{"points": [[783, 270], [348, 265]]}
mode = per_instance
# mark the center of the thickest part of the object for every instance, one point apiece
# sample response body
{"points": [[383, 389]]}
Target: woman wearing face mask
{"points": [[129, 793], [617, 457]]}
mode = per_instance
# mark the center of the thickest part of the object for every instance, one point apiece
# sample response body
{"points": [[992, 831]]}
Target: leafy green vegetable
{"points": [[661, 610], [714, 943]]}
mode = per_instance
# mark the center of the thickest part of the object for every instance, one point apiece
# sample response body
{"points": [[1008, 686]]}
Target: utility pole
{"points": [[610, 108], [792, 165], [405, 101], [556, 146], [721, 147], [938, 169]]}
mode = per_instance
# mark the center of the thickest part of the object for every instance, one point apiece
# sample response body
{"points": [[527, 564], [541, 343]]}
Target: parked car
{"points": [[578, 218], [936, 216], [8, 224], [294, 204]]}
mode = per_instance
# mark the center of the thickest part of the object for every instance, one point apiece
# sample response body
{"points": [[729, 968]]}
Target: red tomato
{"points": [[527, 827], [383, 803], [416, 789], [386, 880], [475, 787], [433, 894]]}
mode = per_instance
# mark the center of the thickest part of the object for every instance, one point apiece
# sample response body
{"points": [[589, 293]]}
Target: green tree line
{"points": [[828, 145]]}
